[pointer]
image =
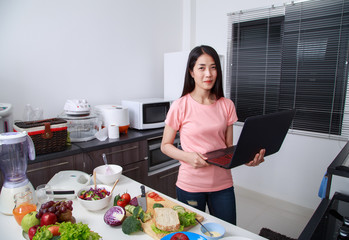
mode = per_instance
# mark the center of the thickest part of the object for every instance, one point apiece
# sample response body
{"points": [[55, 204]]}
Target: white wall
{"points": [[110, 50], [295, 172], [103, 51]]}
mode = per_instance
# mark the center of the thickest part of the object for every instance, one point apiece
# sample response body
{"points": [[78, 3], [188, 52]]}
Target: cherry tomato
{"points": [[126, 197]]}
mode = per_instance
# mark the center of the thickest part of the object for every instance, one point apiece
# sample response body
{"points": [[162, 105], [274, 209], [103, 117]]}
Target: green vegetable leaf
{"points": [[187, 218], [157, 231], [79, 230]]}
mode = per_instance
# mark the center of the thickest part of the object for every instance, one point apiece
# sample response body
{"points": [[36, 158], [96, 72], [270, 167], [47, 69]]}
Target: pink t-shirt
{"points": [[202, 129]]}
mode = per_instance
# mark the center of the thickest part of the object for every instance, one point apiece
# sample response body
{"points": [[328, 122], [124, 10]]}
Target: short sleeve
{"points": [[231, 111], [173, 118]]}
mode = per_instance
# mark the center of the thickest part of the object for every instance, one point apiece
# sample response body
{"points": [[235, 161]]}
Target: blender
{"points": [[15, 148]]}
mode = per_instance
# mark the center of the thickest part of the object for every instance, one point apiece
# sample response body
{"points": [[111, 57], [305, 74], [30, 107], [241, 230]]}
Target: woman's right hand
{"points": [[196, 160]]}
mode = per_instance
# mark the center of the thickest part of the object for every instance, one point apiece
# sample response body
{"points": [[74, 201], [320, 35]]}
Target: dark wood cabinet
{"points": [[164, 181], [42, 172], [131, 157]]}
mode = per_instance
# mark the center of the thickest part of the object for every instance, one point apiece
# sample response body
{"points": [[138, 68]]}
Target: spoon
{"points": [[211, 235], [108, 170]]}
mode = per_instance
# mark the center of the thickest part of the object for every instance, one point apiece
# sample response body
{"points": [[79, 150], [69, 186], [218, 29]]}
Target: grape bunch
{"points": [[62, 209]]}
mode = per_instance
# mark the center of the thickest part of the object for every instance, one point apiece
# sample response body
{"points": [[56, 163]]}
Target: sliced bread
{"points": [[166, 219]]}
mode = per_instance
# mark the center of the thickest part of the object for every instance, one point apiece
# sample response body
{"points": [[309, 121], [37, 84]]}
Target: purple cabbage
{"points": [[115, 216]]}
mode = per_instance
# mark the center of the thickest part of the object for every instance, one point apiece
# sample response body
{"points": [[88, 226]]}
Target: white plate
{"points": [[236, 238]]}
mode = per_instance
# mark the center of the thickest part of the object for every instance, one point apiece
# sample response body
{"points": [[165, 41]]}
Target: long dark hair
{"points": [[189, 83]]}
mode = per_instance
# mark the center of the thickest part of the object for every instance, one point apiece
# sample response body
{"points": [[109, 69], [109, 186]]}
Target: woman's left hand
{"points": [[258, 159]]}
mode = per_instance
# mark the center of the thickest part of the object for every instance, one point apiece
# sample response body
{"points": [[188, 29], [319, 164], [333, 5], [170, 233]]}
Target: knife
{"points": [[142, 200]]}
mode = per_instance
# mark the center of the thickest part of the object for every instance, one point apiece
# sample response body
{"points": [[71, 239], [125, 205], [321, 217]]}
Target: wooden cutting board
{"points": [[167, 203]]}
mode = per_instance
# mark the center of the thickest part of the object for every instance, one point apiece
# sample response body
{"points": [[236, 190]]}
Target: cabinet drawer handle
{"points": [[129, 170], [123, 150], [169, 174], [41, 168]]}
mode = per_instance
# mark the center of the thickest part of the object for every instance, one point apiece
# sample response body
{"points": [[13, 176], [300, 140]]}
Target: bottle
{"points": [[28, 113], [24, 204]]}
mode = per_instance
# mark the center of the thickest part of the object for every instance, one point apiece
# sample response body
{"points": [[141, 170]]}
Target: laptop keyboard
{"points": [[224, 160]]}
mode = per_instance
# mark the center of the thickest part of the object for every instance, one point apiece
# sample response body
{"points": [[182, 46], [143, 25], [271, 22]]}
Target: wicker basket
{"points": [[48, 135]]}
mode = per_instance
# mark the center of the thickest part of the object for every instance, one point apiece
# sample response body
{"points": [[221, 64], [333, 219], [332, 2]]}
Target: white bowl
{"points": [[95, 205], [213, 227], [108, 177]]}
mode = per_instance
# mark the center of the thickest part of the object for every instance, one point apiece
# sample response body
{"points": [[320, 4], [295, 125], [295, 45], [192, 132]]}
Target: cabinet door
{"points": [[136, 171], [164, 182], [42, 172], [131, 157]]}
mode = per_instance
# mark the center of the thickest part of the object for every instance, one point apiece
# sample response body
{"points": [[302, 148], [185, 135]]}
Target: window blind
{"points": [[292, 56]]}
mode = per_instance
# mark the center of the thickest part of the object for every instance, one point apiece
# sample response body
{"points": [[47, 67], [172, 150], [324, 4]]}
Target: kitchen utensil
{"points": [[108, 179], [94, 179], [190, 235], [44, 193], [107, 169], [204, 227], [215, 229], [142, 200], [95, 205], [114, 186], [15, 148]]}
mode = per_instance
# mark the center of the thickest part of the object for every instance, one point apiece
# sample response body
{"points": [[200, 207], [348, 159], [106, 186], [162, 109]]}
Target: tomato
{"points": [[54, 230], [179, 236], [152, 195], [155, 196], [122, 203], [158, 199], [126, 197]]}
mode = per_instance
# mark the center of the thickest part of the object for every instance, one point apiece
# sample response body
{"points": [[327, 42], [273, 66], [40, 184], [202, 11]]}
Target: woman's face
{"points": [[204, 72]]}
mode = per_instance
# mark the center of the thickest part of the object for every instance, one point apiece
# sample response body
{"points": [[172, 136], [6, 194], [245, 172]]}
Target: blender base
{"points": [[7, 203]]}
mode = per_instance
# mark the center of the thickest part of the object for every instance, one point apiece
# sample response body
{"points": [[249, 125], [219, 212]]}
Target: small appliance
{"points": [[65, 184], [147, 113], [6, 118], [82, 124], [77, 107], [15, 148], [81, 128], [114, 114]]}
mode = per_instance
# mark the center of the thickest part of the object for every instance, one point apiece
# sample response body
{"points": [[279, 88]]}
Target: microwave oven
{"points": [[147, 113]]}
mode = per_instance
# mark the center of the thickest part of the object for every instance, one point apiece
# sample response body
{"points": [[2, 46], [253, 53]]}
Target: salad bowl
{"points": [[94, 199]]}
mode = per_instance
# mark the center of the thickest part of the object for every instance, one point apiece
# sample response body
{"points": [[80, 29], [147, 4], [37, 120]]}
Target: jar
{"points": [[24, 204]]}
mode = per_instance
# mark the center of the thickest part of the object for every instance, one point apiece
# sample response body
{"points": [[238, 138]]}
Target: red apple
{"points": [[32, 231], [48, 219], [179, 236]]}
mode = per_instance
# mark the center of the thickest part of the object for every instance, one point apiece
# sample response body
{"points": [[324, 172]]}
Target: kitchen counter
{"points": [[81, 147], [11, 230]]}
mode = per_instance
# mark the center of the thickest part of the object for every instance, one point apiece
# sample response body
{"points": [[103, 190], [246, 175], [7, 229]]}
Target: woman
{"points": [[204, 119]]}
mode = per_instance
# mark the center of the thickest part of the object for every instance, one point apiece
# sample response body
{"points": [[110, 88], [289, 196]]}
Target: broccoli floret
{"points": [[144, 216], [136, 211], [131, 224]]}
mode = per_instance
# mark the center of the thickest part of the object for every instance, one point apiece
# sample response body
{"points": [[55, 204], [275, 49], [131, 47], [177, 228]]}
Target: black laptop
{"points": [[259, 132]]}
